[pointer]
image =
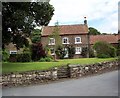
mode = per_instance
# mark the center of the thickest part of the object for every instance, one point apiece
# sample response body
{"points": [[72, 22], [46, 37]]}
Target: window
{"points": [[52, 51], [78, 50], [77, 40], [51, 41], [13, 52], [65, 40]]}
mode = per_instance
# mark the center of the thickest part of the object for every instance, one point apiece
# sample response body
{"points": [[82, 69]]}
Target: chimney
{"points": [[85, 21]]}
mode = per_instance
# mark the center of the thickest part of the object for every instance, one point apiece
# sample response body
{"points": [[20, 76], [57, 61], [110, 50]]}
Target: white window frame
{"points": [[54, 51], [53, 41], [76, 40], [78, 50], [13, 52], [64, 39]]}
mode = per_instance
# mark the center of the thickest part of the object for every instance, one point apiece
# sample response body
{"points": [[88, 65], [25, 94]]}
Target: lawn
{"points": [[21, 67]]}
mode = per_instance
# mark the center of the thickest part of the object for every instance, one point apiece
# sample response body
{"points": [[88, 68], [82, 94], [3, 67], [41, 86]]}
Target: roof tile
{"points": [[66, 29]]}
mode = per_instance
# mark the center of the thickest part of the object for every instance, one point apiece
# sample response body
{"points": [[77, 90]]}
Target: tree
{"points": [[37, 51], [104, 49], [60, 51], [36, 35], [93, 31], [20, 18], [58, 43], [71, 51], [56, 34]]}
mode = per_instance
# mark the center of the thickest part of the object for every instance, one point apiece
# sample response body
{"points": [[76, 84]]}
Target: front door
{"points": [[66, 50]]}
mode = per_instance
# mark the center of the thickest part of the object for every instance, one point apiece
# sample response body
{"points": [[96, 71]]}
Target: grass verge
{"points": [[8, 67]]}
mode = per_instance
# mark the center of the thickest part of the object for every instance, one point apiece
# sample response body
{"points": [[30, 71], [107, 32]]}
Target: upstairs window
{"points": [[65, 40], [78, 40], [51, 41]]}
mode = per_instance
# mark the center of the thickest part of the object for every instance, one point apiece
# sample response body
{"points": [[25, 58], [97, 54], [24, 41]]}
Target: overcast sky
{"points": [[101, 14]]}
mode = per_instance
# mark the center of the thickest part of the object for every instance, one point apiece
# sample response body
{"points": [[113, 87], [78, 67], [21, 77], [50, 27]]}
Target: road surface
{"points": [[100, 85]]}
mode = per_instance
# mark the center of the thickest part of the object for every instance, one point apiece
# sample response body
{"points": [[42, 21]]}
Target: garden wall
{"points": [[70, 71]]}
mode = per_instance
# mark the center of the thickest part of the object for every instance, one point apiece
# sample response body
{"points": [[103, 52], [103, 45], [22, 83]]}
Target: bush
{"points": [[13, 58], [60, 52], [37, 51], [71, 51], [84, 52], [5, 55], [104, 49], [46, 59], [102, 56], [26, 57]]}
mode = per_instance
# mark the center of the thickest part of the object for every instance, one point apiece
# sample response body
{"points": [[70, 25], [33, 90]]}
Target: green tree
{"points": [[71, 51], [93, 31], [20, 18], [56, 34], [36, 35], [59, 49], [104, 49]]}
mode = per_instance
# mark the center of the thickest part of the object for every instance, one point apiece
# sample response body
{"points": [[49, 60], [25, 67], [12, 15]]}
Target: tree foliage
{"points": [[71, 51], [60, 52], [37, 51], [36, 36], [20, 18], [93, 31], [104, 49]]}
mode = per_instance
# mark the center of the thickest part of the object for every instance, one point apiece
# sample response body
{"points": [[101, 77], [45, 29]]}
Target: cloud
{"points": [[73, 12]]}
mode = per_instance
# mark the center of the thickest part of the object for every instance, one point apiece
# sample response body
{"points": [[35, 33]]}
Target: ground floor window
{"points": [[52, 50], [78, 50]]}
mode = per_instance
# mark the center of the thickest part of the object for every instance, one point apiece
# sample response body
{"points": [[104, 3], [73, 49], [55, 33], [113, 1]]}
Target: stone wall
{"points": [[70, 71], [83, 70]]}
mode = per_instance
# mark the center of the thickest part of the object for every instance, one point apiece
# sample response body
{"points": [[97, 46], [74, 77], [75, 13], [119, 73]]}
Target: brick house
{"points": [[111, 39], [76, 35]]}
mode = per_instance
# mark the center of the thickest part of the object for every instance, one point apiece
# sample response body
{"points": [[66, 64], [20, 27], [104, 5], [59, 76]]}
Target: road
{"points": [[99, 85]]}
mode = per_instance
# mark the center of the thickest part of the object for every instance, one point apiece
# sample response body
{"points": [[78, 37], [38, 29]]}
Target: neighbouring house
{"points": [[76, 35], [12, 49], [110, 38]]}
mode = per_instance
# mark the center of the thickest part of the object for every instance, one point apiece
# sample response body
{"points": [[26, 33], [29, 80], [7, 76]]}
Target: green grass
{"points": [[21, 67]]}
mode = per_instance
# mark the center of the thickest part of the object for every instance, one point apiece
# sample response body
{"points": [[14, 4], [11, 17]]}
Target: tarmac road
{"points": [[99, 85]]}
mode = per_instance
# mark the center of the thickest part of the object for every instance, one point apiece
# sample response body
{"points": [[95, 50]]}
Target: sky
{"points": [[101, 14]]}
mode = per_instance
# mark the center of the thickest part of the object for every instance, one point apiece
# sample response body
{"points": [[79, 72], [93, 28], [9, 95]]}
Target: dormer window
{"points": [[51, 41], [65, 40], [78, 40]]}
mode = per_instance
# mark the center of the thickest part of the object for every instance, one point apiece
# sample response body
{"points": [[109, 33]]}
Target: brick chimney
{"points": [[85, 21]]}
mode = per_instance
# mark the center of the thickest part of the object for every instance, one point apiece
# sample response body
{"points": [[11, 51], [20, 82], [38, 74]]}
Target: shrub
{"points": [[13, 58], [25, 57], [37, 51], [71, 51], [104, 49], [46, 59], [60, 52], [5, 55], [102, 56], [84, 52]]}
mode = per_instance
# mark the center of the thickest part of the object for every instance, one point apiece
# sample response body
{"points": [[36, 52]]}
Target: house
{"points": [[76, 35], [12, 49], [110, 38]]}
